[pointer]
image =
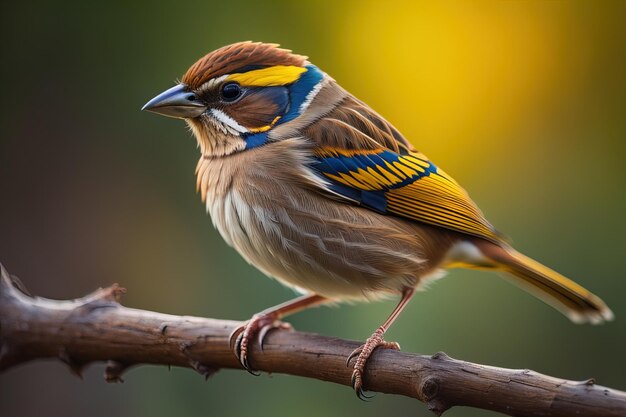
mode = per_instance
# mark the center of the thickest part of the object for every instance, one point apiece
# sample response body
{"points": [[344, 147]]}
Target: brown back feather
{"points": [[231, 58], [352, 124]]}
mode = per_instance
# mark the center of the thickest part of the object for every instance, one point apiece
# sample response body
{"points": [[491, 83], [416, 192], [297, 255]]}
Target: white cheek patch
{"points": [[227, 120], [222, 127]]}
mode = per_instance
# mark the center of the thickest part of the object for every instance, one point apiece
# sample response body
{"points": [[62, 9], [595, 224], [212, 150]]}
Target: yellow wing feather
{"points": [[439, 200], [410, 185]]}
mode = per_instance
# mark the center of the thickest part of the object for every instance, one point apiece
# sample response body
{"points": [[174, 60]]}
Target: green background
{"points": [[522, 102]]}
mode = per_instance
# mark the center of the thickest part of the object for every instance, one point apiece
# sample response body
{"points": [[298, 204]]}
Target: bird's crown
{"points": [[265, 63]]}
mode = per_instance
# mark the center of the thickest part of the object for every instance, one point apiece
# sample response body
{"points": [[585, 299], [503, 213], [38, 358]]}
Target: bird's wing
{"points": [[365, 160]]}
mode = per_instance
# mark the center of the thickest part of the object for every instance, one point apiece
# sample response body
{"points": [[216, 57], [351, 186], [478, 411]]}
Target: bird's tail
{"points": [[577, 303]]}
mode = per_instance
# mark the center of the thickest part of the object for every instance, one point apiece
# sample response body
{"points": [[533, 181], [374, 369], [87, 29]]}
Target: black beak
{"points": [[178, 102]]}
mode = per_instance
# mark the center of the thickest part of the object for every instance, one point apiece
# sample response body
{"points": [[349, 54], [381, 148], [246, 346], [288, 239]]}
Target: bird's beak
{"points": [[179, 102]]}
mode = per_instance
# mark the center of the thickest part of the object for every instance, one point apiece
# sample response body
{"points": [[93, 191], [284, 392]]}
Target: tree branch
{"points": [[97, 328]]}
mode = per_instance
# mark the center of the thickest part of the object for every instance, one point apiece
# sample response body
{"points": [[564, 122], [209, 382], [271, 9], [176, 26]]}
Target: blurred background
{"points": [[522, 102]]}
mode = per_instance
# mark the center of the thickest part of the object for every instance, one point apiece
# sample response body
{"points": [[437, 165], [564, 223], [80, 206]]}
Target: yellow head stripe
{"points": [[268, 77]]}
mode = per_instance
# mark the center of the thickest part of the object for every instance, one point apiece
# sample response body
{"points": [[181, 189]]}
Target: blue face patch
{"points": [[298, 93]]}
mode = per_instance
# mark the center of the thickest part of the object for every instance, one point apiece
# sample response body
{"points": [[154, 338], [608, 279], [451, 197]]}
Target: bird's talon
{"points": [[237, 348], [362, 396], [357, 385], [233, 339], [246, 365], [362, 355], [261, 336], [241, 337], [242, 355], [390, 345], [356, 352], [275, 325]]}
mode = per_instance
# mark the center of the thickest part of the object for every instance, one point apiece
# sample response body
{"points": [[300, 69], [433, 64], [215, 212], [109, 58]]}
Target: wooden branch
{"points": [[97, 328]]}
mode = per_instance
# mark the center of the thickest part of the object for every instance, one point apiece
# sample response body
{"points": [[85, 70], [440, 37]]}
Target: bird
{"points": [[318, 191]]}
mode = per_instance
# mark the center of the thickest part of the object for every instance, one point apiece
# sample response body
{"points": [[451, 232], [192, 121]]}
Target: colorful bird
{"points": [[316, 189]]}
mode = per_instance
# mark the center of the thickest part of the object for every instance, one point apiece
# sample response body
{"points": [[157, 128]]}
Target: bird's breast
{"points": [[264, 205]]}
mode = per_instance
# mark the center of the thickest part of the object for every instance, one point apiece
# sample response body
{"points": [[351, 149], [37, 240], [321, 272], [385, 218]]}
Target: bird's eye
{"points": [[231, 91]]}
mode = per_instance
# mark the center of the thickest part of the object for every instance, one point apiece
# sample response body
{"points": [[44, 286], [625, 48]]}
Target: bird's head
{"points": [[234, 96]]}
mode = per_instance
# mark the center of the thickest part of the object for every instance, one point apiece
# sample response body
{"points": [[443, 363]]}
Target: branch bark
{"points": [[97, 328]]}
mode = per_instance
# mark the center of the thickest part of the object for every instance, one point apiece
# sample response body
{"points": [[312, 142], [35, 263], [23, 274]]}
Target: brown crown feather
{"points": [[228, 59]]}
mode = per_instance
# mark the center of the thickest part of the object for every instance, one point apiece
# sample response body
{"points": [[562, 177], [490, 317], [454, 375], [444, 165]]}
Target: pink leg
{"points": [[263, 322], [363, 353]]}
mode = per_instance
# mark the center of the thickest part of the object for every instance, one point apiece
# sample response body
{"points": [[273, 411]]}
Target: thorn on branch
{"points": [[111, 294], [19, 285], [205, 370], [101, 298], [10, 283], [77, 367], [440, 355], [113, 371]]}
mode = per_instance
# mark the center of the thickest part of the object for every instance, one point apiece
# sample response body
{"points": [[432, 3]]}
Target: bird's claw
{"points": [[357, 384], [275, 325], [240, 338], [362, 354], [242, 354], [356, 352]]}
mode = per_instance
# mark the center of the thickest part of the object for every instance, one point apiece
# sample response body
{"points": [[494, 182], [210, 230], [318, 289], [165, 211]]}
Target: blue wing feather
{"points": [[408, 186]]}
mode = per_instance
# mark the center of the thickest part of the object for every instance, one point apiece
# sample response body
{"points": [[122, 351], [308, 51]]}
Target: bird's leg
{"points": [[266, 320], [376, 340]]}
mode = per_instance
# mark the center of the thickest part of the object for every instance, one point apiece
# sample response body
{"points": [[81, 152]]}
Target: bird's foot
{"points": [[362, 354], [259, 325]]}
